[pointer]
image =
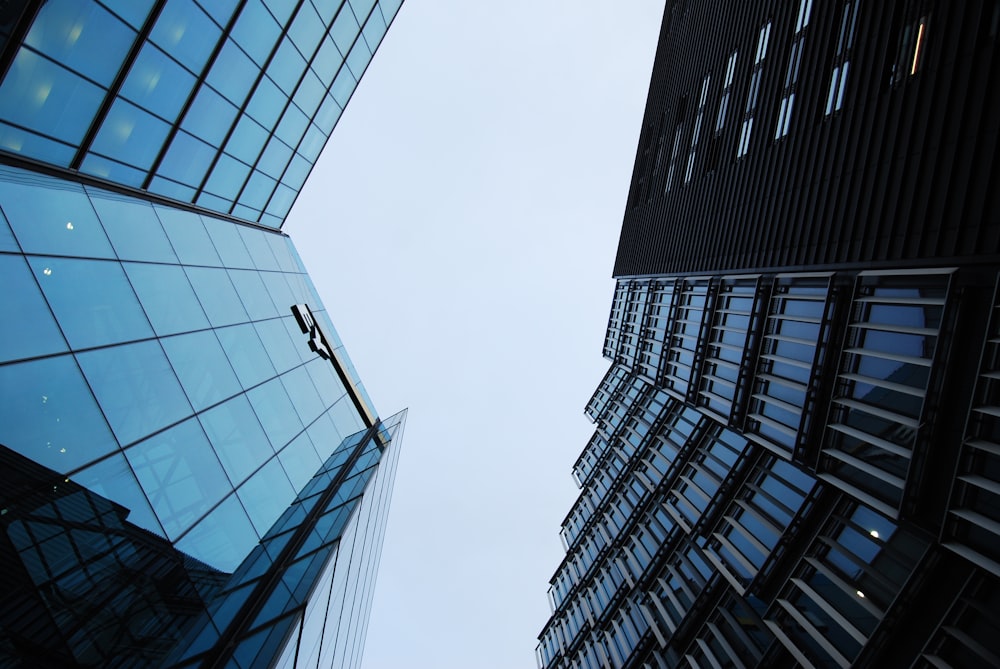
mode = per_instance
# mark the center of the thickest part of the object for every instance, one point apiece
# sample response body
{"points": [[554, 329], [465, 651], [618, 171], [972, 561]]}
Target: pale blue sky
{"points": [[461, 227]]}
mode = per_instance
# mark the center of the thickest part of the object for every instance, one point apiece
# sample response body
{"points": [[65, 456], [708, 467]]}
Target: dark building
{"points": [[796, 459], [191, 471]]}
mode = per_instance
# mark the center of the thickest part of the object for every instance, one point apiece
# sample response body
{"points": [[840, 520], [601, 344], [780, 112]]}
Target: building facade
{"points": [[795, 454], [193, 473]]}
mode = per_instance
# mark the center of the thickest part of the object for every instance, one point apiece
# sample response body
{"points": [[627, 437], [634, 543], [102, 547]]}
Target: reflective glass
{"points": [[180, 474], [136, 388], [247, 140], [228, 243], [266, 104], [257, 191], [7, 241], [328, 60], [280, 247], [361, 54], [183, 30], [256, 31], [246, 213], [282, 200], [307, 30], [187, 159], [209, 116], [158, 83], [292, 126], [247, 355], [279, 347], [223, 538], [214, 202], [83, 35], [188, 236], [300, 460], [345, 416], [310, 93], [260, 250], [133, 227], [281, 9], [389, 8], [345, 29], [48, 414], [92, 300], [233, 73], [298, 169], [113, 479], [266, 495], [19, 140], [130, 135], [275, 157], [172, 189], [303, 394], [28, 329], [42, 96], [202, 367], [328, 115], [112, 170], [237, 438], [227, 178], [275, 411], [51, 216], [343, 86], [217, 296], [167, 298], [374, 29], [220, 10], [255, 298], [134, 12], [312, 143]]}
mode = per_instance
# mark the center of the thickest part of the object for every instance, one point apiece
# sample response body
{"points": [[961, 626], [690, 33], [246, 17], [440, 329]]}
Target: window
{"points": [[910, 51], [755, 78], [697, 127], [842, 58], [792, 74]]}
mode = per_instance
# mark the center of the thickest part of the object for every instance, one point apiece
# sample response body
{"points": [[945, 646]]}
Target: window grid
{"points": [[756, 75], [685, 346], [654, 332], [842, 58], [792, 75], [696, 132], [730, 338]]}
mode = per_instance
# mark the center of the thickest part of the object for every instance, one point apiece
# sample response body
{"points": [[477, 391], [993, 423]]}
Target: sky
{"points": [[461, 228]]}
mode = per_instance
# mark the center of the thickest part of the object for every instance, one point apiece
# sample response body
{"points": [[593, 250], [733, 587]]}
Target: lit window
{"points": [[755, 77], [792, 74], [842, 59]]}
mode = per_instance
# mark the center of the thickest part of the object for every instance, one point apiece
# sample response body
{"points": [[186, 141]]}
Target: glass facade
{"points": [[193, 473], [222, 104]]}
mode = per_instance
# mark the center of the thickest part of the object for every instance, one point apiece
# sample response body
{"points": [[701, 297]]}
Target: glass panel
{"points": [[286, 67], [325, 437], [158, 83], [83, 35], [167, 298], [227, 178], [361, 54], [293, 125], [281, 349], [303, 394], [131, 136], [260, 250], [258, 190], [246, 354], [345, 29], [29, 328], [133, 227], [223, 538], [114, 480], [256, 31], [217, 295], [253, 294], [133, 11], [275, 158], [202, 367], [228, 243], [233, 74], [266, 104], [48, 414], [307, 30], [327, 62], [181, 475], [92, 300], [300, 460], [51, 216], [40, 95], [135, 387], [343, 86], [247, 140], [266, 495], [183, 30], [275, 412], [237, 438], [209, 116], [186, 160], [188, 236]]}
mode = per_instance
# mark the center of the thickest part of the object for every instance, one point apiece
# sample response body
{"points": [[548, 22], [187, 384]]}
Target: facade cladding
{"points": [[798, 440], [191, 472]]}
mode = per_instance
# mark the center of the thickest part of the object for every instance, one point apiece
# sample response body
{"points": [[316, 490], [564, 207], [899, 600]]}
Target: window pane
{"points": [[275, 411], [180, 473], [92, 300], [233, 73], [113, 479], [223, 538], [256, 31], [217, 296], [303, 394], [186, 160], [184, 30], [136, 388], [266, 495], [167, 298], [28, 329], [253, 294], [300, 460], [281, 349], [48, 414], [202, 367], [237, 438], [133, 227], [188, 236], [209, 116], [246, 354], [228, 243]]}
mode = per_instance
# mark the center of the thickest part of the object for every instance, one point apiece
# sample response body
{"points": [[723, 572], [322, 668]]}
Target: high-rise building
{"points": [[796, 459], [191, 471]]}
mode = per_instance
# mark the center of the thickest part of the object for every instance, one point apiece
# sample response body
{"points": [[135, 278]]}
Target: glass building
{"points": [[192, 472], [795, 460]]}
